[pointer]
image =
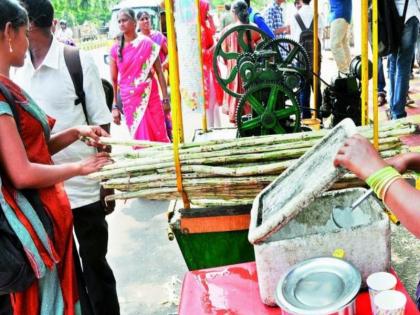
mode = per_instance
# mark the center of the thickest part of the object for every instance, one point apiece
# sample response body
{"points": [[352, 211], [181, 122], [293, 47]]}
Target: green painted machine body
{"points": [[213, 237]]}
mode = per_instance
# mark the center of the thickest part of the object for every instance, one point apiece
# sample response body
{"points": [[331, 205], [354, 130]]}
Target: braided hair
{"points": [[131, 15]]}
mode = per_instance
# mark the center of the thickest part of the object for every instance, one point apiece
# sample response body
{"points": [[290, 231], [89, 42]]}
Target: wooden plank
{"points": [[215, 224]]}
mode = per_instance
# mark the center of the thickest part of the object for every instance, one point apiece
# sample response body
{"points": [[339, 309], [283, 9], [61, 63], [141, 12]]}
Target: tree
{"points": [[76, 12]]}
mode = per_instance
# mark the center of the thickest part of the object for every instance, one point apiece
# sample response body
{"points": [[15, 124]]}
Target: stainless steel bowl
{"points": [[319, 286]]}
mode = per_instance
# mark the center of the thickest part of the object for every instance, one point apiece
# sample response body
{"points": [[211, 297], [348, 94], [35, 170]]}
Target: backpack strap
{"points": [[11, 101], [300, 22], [74, 66], [405, 11]]}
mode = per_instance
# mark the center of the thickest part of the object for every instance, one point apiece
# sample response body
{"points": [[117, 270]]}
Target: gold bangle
{"points": [[386, 188]]}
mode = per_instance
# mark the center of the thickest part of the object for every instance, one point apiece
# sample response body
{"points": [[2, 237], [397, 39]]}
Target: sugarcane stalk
{"points": [[309, 139], [126, 170], [221, 202], [133, 142], [228, 171]]}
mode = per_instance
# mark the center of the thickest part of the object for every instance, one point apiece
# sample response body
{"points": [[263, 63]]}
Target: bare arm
{"points": [[282, 30], [360, 157], [114, 77], [116, 115], [158, 68], [406, 161], [25, 174], [165, 63], [63, 139]]}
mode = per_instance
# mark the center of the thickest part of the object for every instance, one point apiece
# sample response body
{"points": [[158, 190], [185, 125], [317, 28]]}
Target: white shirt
{"points": [[306, 13], [63, 35], [52, 89], [413, 9]]}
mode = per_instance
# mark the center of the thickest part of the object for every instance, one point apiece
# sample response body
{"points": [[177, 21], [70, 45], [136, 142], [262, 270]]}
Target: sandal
{"points": [[382, 99], [410, 102]]}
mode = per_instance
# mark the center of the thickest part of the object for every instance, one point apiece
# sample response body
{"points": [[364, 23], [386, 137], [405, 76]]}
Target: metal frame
{"points": [[178, 131]]}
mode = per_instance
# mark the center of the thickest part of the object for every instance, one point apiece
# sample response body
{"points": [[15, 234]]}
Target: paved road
{"points": [[149, 268]]}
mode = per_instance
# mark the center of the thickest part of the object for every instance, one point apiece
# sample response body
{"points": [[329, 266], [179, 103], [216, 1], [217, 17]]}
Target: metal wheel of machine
{"points": [[274, 109], [241, 32], [293, 58]]}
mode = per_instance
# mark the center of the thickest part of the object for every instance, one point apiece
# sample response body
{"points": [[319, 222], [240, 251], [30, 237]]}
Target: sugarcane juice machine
{"points": [[271, 74]]}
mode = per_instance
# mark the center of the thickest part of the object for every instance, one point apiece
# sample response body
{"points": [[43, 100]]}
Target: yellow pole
{"points": [[204, 118], [177, 128], [316, 59], [365, 73], [375, 73]]}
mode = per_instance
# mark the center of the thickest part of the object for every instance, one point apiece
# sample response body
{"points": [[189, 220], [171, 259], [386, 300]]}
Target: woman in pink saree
{"points": [[145, 28], [133, 57]]}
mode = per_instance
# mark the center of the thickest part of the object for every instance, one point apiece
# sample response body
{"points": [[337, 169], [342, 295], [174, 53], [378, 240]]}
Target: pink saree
{"points": [[143, 110], [161, 40]]}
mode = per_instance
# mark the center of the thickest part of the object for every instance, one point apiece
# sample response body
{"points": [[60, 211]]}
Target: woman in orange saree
{"points": [[26, 147]]}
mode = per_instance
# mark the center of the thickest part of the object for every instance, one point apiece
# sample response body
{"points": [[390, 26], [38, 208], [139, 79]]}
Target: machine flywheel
{"points": [[267, 108]]}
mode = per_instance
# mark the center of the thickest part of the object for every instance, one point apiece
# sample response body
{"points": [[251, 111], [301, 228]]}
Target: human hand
{"points": [[166, 105], [91, 135], [93, 163], [359, 156], [116, 116], [400, 162], [109, 206]]}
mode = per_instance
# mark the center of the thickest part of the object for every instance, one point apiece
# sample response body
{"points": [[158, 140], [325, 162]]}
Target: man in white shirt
{"points": [[399, 63], [306, 15], [63, 33], [46, 78]]}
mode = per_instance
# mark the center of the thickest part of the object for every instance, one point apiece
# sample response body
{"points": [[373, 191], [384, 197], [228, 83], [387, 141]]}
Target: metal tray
{"points": [[320, 285]]}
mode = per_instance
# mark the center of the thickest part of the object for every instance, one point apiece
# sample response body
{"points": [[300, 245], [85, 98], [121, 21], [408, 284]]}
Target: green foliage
{"points": [[256, 4], [76, 12]]}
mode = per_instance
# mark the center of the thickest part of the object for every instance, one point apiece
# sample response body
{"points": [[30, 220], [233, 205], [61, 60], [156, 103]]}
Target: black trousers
{"points": [[5, 305], [92, 235]]}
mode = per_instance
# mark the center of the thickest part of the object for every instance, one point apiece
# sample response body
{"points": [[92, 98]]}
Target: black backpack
{"points": [[306, 39], [390, 26], [74, 66]]}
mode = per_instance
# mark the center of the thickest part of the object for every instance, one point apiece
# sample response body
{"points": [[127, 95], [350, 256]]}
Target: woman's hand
{"points": [[165, 65], [94, 163], [166, 105], [405, 161], [399, 162], [359, 156], [116, 116], [92, 134]]}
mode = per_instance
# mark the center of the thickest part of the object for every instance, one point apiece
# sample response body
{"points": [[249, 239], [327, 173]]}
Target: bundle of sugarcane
{"points": [[223, 171]]}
